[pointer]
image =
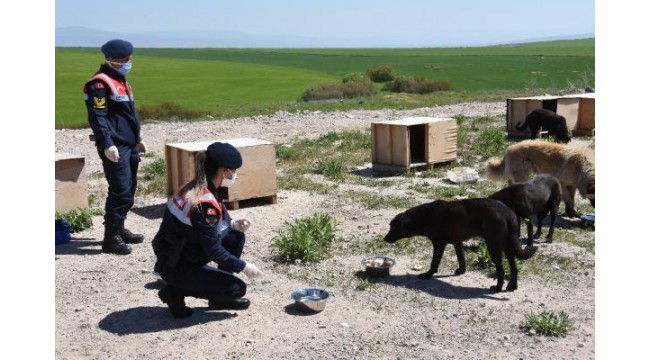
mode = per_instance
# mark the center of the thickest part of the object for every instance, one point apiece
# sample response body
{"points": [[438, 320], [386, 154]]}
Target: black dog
{"points": [[547, 120], [452, 222], [538, 196]]}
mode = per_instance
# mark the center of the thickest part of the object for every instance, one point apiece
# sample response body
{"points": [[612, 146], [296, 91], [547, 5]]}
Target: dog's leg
{"points": [[512, 284], [438, 251], [540, 219], [494, 249], [549, 236], [534, 130], [529, 227], [462, 260], [568, 195]]}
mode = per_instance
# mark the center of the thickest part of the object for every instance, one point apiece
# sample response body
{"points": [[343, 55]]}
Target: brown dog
{"points": [[546, 120], [574, 167], [539, 196], [452, 222]]}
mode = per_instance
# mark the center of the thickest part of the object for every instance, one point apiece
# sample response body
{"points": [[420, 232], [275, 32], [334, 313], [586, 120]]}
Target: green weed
{"points": [[307, 239], [548, 323], [78, 219], [153, 178]]}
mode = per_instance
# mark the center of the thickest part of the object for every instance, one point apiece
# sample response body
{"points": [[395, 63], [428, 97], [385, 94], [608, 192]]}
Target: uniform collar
{"points": [[213, 190], [111, 72]]}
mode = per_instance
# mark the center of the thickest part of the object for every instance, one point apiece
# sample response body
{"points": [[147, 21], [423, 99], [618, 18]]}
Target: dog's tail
{"points": [[495, 169], [522, 125]]}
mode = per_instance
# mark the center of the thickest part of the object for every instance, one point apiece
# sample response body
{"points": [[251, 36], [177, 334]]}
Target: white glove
{"points": [[251, 271], [112, 154], [240, 225], [142, 147]]}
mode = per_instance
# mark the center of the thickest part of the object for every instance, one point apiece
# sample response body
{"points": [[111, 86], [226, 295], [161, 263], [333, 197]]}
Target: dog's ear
{"points": [[591, 188], [401, 221]]}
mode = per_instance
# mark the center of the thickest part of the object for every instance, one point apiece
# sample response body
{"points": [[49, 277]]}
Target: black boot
{"points": [[229, 304], [129, 237], [113, 243], [175, 300]]}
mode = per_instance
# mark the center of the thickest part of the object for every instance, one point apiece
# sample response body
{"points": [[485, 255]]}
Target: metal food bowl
{"points": [[310, 299], [378, 265]]}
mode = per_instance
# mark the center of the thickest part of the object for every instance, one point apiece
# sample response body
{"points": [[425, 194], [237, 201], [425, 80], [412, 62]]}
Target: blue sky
{"points": [[424, 22]]}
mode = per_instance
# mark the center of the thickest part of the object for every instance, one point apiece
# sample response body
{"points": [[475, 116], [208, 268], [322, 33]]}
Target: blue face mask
{"points": [[124, 68]]}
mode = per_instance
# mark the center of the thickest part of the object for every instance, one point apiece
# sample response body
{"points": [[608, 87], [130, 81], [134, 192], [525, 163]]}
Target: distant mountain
{"points": [[86, 37]]}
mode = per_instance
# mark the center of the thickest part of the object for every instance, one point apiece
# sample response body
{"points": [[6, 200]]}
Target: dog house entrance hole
{"points": [[417, 146]]}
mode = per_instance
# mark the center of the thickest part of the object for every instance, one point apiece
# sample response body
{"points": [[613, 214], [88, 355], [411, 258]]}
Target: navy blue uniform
{"points": [[114, 121], [189, 238]]}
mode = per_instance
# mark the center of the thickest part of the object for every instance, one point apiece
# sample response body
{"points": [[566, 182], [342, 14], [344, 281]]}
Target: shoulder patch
{"points": [[210, 213], [99, 102]]}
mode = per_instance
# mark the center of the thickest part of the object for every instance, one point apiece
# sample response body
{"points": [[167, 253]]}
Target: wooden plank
{"points": [[381, 144], [587, 115], [399, 150], [568, 107]]}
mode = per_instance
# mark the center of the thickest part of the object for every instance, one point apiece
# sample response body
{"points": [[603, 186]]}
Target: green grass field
{"points": [[239, 82]]}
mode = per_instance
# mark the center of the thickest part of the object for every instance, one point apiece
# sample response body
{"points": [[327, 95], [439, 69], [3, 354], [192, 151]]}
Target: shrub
{"points": [[381, 73], [548, 323], [416, 85], [331, 169], [355, 77], [338, 90], [307, 239], [491, 141], [168, 111]]}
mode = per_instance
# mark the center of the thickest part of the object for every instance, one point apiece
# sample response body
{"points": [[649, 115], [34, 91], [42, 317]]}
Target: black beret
{"points": [[117, 49], [224, 154]]}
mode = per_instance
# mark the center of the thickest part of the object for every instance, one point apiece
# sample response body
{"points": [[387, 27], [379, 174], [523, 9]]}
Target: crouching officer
{"points": [[196, 229], [116, 129]]}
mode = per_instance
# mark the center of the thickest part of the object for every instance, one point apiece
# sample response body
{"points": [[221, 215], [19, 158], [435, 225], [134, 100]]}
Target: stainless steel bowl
{"points": [[310, 299], [378, 265]]}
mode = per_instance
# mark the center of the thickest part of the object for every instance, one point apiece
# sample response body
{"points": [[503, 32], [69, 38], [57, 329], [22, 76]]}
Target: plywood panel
{"points": [[442, 141], [568, 107], [381, 143], [399, 150], [70, 188], [256, 178]]}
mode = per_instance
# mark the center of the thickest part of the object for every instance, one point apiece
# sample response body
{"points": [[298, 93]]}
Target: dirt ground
{"points": [[107, 305]]}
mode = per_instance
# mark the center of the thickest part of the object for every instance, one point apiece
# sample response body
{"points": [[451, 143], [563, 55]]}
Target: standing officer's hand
{"points": [[112, 154], [142, 147]]}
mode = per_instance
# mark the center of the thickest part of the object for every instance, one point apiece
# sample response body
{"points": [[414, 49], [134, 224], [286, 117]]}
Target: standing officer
{"points": [[116, 127], [197, 229]]}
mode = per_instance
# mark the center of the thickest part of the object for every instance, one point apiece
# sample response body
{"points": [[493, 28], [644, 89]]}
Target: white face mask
{"points": [[226, 182]]}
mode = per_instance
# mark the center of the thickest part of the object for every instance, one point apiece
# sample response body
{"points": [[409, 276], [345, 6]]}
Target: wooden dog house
{"points": [[578, 110], [256, 179], [399, 145]]}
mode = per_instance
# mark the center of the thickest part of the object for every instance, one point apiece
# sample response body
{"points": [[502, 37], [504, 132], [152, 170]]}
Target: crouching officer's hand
{"points": [[251, 271], [112, 154], [240, 225]]}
